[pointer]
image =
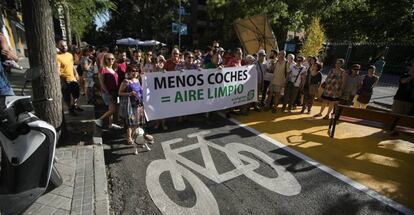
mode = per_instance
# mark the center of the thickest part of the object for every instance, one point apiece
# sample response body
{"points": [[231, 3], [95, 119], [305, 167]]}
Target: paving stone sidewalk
{"points": [[84, 189], [80, 163]]}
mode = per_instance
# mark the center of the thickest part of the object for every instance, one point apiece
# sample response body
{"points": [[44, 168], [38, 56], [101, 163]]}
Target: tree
{"points": [[144, 19], [80, 14], [83, 13], [315, 37], [37, 17]]}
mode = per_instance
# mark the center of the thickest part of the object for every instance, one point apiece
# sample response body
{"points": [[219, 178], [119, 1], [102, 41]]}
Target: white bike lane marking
{"points": [[355, 184], [285, 183]]}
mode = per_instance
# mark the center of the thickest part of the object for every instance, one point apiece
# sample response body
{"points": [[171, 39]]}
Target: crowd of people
{"points": [[284, 80]]}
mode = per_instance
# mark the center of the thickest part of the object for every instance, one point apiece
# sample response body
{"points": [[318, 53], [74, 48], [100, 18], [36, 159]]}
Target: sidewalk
{"points": [[80, 162]]}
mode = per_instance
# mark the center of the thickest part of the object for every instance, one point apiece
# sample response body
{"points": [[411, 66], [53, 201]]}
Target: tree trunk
{"points": [[37, 17], [78, 40], [67, 25]]}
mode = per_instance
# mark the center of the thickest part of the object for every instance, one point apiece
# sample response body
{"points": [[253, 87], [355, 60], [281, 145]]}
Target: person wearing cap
{"points": [[295, 80], [261, 68], [352, 85], [365, 90], [280, 71]]}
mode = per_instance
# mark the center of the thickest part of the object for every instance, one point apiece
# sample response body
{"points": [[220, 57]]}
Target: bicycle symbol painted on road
{"points": [[285, 183]]}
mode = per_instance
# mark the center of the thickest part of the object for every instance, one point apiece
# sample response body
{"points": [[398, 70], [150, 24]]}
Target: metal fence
{"points": [[397, 55]]}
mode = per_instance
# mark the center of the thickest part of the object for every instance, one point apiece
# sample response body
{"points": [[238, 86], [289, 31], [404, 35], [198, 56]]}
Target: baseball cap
{"points": [[261, 52]]}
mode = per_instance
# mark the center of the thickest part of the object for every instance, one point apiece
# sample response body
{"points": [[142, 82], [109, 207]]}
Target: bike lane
{"points": [[243, 174]]}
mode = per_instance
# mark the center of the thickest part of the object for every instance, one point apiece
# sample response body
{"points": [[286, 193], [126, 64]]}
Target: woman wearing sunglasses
{"points": [[131, 105], [108, 80]]}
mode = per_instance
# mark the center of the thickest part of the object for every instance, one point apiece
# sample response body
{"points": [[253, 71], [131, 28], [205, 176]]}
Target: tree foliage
{"points": [[143, 19], [83, 12], [343, 20], [315, 37]]}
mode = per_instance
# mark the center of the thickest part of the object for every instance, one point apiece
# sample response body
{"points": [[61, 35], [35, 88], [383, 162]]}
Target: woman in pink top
{"points": [[108, 80]]}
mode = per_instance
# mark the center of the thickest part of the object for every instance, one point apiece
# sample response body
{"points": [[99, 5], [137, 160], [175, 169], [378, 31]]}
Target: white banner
{"points": [[170, 94]]}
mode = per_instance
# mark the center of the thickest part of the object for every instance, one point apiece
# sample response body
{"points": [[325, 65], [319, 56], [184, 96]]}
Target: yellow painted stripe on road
{"points": [[364, 154]]}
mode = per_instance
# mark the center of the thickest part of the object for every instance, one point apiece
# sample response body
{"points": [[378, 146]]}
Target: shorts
{"points": [[69, 90], [276, 88], [109, 98]]}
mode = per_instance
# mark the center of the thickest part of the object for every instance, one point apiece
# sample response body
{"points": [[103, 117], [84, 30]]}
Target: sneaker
{"points": [[115, 126], [99, 123], [326, 117], [274, 110]]}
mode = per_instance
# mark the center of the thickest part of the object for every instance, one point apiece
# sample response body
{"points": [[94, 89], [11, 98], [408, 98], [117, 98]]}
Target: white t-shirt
{"points": [[295, 74], [262, 70], [267, 76], [147, 68]]}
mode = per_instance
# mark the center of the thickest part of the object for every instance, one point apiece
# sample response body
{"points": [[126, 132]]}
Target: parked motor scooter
{"points": [[27, 154]]}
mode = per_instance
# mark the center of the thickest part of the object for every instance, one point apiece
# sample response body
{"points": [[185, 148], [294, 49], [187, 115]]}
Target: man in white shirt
{"points": [[295, 81], [280, 71], [261, 67]]}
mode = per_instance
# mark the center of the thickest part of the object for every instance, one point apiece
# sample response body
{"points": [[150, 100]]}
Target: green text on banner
{"points": [[178, 93]]}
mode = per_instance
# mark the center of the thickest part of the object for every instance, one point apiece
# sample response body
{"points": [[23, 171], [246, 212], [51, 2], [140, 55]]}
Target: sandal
{"points": [[130, 142]]}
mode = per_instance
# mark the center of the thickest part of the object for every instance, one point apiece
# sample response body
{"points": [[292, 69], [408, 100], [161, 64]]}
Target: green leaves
{"points": [[83, 12], [315, 37]]}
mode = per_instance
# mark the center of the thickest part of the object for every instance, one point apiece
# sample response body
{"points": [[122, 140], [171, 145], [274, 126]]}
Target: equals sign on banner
{"points": [[165, 99]]}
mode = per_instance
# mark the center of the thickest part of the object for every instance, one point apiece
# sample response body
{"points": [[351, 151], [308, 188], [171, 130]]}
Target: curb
{"points": [[101, 185]]}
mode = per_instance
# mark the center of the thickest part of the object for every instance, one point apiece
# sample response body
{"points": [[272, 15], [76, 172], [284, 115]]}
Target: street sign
{"points": [[177, 27]]}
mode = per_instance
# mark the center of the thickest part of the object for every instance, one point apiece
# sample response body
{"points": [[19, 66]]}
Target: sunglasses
{"points": [[190, 57]]}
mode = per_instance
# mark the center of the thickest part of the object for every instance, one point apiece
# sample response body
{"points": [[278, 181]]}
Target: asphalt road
{"points": [[230, 171]]}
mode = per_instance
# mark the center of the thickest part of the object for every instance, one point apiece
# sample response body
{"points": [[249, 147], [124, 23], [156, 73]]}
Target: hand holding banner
{"points": [[170, 94]]}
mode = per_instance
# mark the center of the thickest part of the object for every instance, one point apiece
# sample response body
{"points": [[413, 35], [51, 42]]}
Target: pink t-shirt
{"points": [[110, 79]]}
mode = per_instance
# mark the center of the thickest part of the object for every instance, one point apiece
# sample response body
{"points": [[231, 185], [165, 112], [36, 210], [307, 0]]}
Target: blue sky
{"points": [[101, 19]]}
